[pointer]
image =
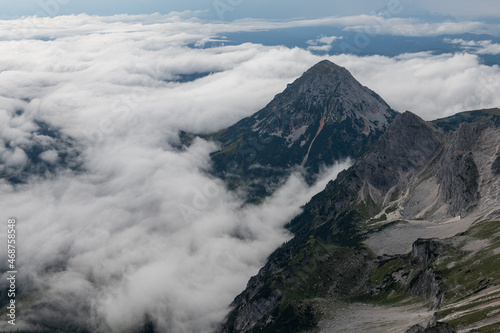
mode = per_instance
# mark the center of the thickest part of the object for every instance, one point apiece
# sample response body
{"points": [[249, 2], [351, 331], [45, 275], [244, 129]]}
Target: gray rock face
{"points": [[425, 251], [443, 174], [427, 285], [495, 167], [251, 313], [437, 328], [441, 328], [254, 313], [395, 157], [459, 173], [416, 329]]}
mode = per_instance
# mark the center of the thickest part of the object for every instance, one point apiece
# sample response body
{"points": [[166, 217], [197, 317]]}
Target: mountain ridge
{"points": [[415, 171], [379, 232]]}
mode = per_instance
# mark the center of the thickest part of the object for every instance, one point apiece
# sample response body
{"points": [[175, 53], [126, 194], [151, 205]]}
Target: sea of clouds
{"points": [[118, 224]]}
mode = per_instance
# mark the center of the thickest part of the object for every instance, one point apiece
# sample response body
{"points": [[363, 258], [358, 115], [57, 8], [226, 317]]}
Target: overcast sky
{"points": [[234, 9]]}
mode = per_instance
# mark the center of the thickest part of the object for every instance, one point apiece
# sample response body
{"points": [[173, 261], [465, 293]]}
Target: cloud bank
{"points": [[322, 43], [117, 224], [478, 47]]}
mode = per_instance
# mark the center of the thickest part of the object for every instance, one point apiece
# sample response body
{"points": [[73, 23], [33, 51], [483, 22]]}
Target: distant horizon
{"points": [[239, 9]]}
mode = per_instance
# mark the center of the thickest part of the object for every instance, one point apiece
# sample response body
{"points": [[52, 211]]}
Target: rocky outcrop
{"points": [[426, 284], [433, 327], [255, 305], [438, 328], [426, 251], [495, 167]]}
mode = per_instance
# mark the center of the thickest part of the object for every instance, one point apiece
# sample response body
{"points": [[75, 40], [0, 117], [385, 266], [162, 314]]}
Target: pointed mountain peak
{"points": [[323, 116], [329, 92], [324, 75], [326, 67]]}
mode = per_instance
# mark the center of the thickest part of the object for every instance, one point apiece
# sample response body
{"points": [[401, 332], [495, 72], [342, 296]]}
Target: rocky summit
{"points": [[407, 239], [322, 117]]}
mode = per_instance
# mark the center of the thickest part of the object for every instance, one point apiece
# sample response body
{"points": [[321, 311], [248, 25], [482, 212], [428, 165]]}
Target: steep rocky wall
{"points": [[458, 171]]}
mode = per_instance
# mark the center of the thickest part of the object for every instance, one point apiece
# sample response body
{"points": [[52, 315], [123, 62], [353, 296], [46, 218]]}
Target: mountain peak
{"points": [[330, 92], [324, 76], [322, 117], [328, 67]]}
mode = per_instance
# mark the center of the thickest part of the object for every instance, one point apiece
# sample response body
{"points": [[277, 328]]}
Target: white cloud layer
{"points": [[322, 43], [478, 47], [139, 227], [376, 25], [433, 86], [194, 29]]}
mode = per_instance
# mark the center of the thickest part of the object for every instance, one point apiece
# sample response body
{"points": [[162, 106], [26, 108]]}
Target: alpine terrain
{"points": [[324, 116], [407, 239]]}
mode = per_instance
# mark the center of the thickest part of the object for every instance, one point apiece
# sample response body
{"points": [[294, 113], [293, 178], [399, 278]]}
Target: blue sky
{"points": [[234, 9]]}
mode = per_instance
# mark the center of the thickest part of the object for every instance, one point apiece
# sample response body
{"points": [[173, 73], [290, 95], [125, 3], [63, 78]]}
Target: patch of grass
{"points": [[472, 317], [293, 318], [485, 230], [378, 228], [367, 209], [493, 328], [386, 285], [472, 272], [385, 269], [394, 196], [391, 209], [482, 300], [383, 217], [453, 122], [494, 111], [314, 267], [386, 298]]}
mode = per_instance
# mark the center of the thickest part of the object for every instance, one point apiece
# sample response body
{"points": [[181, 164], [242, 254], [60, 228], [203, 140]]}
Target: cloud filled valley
{"points": [[116, 221]]}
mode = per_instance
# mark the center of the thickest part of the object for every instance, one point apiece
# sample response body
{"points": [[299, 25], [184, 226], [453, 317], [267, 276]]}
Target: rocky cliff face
{"points": [[427, 283], [322, 117], [419, 179], [396, 159], [435, 174], [458, 172]]}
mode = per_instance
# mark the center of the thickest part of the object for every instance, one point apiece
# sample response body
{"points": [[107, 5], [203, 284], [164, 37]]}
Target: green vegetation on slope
{"points": [[453, 122]]}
